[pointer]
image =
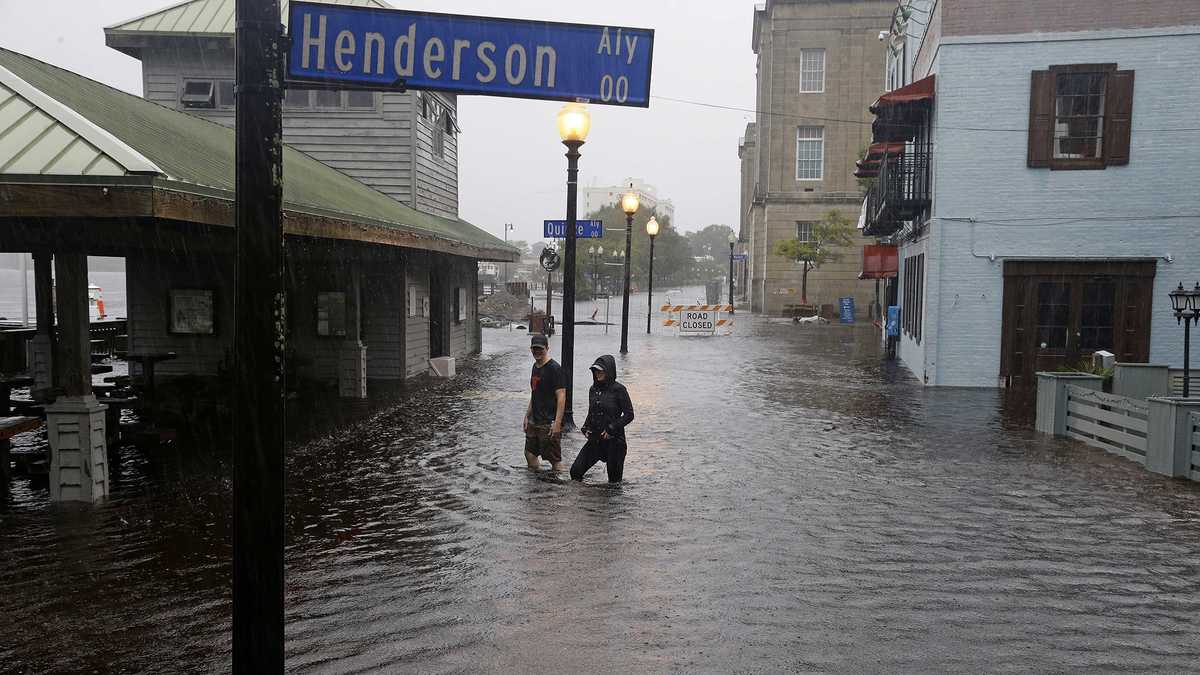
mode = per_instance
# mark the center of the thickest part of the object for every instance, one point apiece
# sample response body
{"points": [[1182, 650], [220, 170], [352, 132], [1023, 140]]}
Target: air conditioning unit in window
{"points": [[198, 94]]}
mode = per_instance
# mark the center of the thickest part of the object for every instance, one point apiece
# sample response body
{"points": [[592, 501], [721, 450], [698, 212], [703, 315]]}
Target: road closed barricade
{"points": [[699, 319]]}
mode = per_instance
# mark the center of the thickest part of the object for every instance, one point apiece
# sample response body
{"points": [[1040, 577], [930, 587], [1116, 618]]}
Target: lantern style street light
{"points": [[732, 241], [629, 204], [652, 230], [597, 254], [1186, 304], [574, 122]]}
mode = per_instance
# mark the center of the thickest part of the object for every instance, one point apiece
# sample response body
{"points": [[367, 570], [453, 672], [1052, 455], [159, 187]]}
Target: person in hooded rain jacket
{"points": [[609, 410]]}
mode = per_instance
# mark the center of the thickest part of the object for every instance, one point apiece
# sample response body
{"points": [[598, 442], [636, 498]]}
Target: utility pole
{"points": [[258, 341]]}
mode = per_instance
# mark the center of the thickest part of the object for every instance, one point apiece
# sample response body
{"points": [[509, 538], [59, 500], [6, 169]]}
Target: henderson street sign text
{"points": [[372, 48]]}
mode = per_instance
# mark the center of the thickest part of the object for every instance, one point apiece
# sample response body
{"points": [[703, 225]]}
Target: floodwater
{"points": [[791, 504]]}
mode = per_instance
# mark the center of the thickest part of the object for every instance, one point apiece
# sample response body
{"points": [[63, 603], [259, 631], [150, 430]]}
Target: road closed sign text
{"points": [[698, 322]]}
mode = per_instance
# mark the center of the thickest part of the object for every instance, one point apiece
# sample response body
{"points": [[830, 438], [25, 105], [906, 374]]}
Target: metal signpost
{"points": [[381, 49], [584, 229]]}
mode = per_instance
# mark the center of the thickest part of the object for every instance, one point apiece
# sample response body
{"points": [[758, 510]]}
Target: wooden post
{"points": [[1052, 399], [72, 356], [258, 342], [1169, 435], [42, 367]]}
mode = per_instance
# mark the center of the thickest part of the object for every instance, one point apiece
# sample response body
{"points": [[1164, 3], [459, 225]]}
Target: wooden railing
{"points": [[1176, 375], [1195, 446], [1116, 424], [109, 335]]}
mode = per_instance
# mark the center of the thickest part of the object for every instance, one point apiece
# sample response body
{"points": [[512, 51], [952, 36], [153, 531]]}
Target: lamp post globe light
{"points": [[732, 240], [652, 230], [1186, 304], [574, 122], [629, 204]]}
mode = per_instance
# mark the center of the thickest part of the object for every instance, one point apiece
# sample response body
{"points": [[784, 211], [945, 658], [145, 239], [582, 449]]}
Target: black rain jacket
{"points": [[609, 407]]}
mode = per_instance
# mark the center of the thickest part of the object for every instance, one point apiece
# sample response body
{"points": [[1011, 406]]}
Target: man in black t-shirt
{"points": [[547, 402]]}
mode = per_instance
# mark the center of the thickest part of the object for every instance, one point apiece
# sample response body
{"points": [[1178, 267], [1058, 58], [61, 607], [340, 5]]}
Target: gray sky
{"points": [[511, 164]]}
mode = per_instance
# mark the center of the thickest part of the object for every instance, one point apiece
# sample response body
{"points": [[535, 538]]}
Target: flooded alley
{"points": [[792, 503]]}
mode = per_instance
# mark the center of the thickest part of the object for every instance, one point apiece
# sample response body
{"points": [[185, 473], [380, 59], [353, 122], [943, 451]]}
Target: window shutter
{"points": [[1041, 119], [1118, 117]]}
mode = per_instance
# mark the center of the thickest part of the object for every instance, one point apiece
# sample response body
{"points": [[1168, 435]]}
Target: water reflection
{"points": [[791, 503]]}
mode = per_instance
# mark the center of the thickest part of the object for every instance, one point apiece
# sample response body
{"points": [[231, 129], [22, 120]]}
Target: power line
{"points": [[769, 113]]}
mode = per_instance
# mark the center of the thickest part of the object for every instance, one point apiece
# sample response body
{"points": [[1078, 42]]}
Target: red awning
{"points": [[879, 262], [921, 90]]}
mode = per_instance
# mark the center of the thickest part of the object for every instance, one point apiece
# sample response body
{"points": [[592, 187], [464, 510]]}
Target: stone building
{"points": [[597, 197], [820, 64]]}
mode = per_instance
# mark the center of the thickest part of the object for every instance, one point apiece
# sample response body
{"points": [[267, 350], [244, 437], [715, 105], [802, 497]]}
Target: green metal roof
{"points": [[206, 17], [181, 151]]}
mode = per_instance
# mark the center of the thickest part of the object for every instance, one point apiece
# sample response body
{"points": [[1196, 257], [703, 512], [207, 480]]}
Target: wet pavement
{"points": [[791, 504]]}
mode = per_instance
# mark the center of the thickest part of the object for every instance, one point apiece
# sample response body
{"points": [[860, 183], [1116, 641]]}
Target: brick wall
{"points": [[983, 175]]}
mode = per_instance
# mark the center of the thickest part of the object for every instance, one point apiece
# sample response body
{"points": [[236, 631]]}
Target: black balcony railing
{"points": [[902, 190]]}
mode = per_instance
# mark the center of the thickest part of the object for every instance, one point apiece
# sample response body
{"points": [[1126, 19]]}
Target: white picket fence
{"points": [[1116, 424], [1195, 446]]}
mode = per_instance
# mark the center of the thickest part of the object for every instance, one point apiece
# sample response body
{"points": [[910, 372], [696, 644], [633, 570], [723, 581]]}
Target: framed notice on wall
{"points": [[191, 312], [331, 314]]}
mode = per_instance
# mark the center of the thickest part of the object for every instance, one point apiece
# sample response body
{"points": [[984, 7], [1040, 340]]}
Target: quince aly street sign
{"points": [[380, 49]]}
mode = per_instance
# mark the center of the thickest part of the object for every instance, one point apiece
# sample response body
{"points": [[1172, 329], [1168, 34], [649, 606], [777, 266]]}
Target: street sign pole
{"points": [[258, 342], [568, 322], [625, 287]]}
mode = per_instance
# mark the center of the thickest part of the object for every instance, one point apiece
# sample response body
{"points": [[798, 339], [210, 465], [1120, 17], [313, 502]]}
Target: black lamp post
{"points": [[652, 230], [573, 125], [732, 241], [597, 254], [1187, 309], [629, 204]]}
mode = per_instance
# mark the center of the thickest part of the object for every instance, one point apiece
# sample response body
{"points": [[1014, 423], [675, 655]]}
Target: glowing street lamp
{"points": [[574, 122], [629, 204], [732, 241], [652, 230]]}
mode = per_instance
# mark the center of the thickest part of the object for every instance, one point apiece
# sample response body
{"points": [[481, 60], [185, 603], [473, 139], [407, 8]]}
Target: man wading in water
{"points": [[609, 410], [547, 402]]}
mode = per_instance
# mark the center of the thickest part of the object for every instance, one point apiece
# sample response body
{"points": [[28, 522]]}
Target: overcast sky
{"points": [[511, 164]]}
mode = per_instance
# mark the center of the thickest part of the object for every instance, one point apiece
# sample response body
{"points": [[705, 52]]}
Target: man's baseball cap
{"points": [[539, 340]]}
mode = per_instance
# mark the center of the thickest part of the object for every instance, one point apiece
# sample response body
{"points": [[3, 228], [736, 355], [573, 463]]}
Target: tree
{"points": [[710, 249], [830, 237], [672, 259]]}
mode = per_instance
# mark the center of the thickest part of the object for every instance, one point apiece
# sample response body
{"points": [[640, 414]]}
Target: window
{"points": [[1080, 116], [812, 71], [198, 94], [804, 232], [360, 99], [460, 305], [439, 138], [412, 300], [326, 98], [810, 153], [912, 311], [331, 314], [296, 98], [225, 98]]}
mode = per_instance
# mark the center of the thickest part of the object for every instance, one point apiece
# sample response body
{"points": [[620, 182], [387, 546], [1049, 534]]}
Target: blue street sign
{"points": [[374, 48], [846, 305], [741, 257], [893, 321], [584, 229]]}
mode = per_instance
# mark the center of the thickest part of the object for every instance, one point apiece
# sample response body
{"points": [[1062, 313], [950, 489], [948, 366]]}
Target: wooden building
{"points": [[376, 287], [403, 144]]}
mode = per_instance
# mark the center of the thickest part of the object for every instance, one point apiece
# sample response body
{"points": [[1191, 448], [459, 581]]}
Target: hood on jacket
{"points": [[609, 365]]}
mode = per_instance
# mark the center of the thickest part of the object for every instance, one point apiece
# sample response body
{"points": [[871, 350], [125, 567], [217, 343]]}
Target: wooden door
{"points": [[438, 325], [1057, 314]]}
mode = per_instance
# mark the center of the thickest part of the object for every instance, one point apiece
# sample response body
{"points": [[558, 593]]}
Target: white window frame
{"points": [[820, 139], [804, 54], [801, 227]]}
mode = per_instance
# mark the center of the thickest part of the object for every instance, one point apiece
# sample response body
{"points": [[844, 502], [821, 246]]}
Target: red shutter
{"points": [[1041, 119], [1118, 117]]}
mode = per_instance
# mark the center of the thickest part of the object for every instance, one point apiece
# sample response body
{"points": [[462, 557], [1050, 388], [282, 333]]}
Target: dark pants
{"points": [[611, 452]]}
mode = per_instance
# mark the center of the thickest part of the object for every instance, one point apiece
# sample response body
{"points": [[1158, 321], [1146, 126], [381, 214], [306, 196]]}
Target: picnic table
{"points": [[9, 427], [7, 384], [147, 360]]}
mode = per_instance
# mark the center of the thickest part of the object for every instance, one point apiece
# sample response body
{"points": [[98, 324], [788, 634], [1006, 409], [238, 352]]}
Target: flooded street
{"points": [[791, 503]]}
